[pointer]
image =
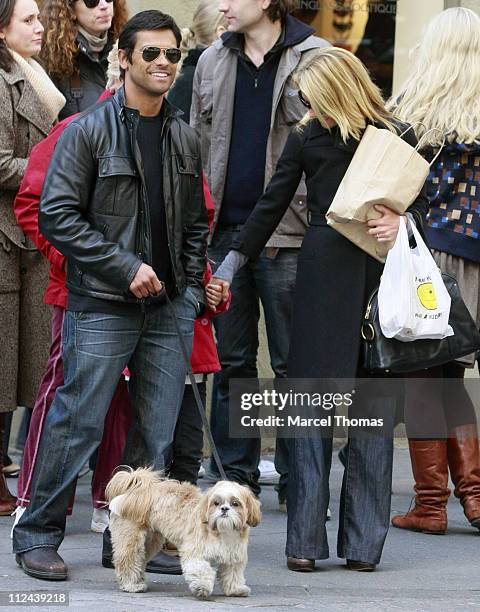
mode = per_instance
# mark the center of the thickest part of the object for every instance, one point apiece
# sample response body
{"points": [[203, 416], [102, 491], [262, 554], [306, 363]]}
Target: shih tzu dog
{"points": [[209, 529]]}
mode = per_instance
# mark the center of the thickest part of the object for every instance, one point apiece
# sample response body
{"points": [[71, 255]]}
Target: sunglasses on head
{"points": [[149, 54], [91, 3]]}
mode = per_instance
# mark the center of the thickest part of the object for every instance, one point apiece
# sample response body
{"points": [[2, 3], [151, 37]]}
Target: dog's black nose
{"points": [[224, 509]]}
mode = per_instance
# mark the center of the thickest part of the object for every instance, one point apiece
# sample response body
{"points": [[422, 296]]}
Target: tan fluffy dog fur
{"points": [[209, 529]]}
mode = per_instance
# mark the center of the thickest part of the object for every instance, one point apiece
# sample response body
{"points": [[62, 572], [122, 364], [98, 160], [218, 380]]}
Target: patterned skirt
{"points": [[467, 274]]}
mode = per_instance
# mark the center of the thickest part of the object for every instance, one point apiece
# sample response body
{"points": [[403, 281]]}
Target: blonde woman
{"points": [[443, 92], [208, 24], [334, 280]]}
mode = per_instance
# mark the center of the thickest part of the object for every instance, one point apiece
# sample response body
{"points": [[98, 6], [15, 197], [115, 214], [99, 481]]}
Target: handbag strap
{"points": [[198, 399]]}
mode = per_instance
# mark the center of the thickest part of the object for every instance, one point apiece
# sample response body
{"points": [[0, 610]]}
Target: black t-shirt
{"points": [[149, 134]]}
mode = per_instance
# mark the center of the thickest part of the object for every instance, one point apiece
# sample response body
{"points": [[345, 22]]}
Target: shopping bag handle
{"points": [[418, 147], [411, 127]]}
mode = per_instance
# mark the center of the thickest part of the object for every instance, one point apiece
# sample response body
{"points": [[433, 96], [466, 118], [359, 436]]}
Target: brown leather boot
{"points": [[430, 471], [464, 463], [43, 563], [296, 564], [8, 502]]}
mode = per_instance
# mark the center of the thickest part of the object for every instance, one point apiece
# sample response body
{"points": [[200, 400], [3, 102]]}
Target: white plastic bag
{"points": [[413, 303]]}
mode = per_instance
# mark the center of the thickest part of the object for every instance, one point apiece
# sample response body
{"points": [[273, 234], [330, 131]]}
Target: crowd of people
{"points": [[156, 182]]}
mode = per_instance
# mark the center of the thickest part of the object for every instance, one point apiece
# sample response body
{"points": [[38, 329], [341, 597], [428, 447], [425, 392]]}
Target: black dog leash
{"points": [[198, 399]]}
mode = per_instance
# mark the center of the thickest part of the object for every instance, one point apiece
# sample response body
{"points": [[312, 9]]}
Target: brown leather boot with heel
{"points": [[430, 471], [8, 502], [464, 463]]}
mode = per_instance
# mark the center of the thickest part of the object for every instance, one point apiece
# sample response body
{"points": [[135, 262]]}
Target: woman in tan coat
{"points": [[29, 105]]}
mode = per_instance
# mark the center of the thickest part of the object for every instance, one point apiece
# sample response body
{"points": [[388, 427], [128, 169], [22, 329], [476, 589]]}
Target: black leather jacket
{"points": [[94, 208]]}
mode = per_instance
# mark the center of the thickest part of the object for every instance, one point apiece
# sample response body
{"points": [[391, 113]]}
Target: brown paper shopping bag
{"points": [[384, 170]]}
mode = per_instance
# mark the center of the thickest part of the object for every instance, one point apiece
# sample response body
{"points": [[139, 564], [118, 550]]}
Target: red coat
{"points": [[26, 210], [204, 355]]}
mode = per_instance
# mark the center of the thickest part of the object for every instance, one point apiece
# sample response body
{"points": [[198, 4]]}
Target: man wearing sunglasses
{"points": [[244, 106], [123, 201]]}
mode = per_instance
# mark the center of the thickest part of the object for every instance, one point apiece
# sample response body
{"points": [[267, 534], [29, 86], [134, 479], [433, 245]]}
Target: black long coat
{"points": [[334, 277]]}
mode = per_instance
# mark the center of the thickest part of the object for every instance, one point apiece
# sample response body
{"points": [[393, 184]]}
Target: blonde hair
{"points": [[205, 23], [338, 85], [113, 70], [443, 89]]}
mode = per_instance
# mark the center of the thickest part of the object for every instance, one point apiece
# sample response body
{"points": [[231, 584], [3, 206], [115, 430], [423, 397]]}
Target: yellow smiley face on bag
{"points": [[427, 296]]}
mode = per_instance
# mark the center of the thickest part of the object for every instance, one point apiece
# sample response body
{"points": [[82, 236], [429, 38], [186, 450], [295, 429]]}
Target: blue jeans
{"points": [[96, 349], [271, 281], [365, 497]]}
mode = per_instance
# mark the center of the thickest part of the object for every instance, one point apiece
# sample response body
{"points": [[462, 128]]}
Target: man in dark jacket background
{"points": [[244, 106], [123, 201]]}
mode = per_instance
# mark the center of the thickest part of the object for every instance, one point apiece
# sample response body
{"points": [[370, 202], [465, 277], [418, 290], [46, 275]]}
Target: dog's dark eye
{"points": [[216, 503], [235, 503]]}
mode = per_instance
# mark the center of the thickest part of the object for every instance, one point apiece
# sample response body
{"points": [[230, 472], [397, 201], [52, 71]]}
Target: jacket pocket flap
{"points": [[187, 164], [113, 166]]}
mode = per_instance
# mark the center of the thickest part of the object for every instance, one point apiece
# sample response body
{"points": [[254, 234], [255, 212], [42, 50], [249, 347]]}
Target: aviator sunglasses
{"points": [[149, 54]]}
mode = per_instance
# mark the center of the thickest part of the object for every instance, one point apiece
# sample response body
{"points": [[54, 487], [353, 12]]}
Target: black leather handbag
{"points": [[383, 354]]}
